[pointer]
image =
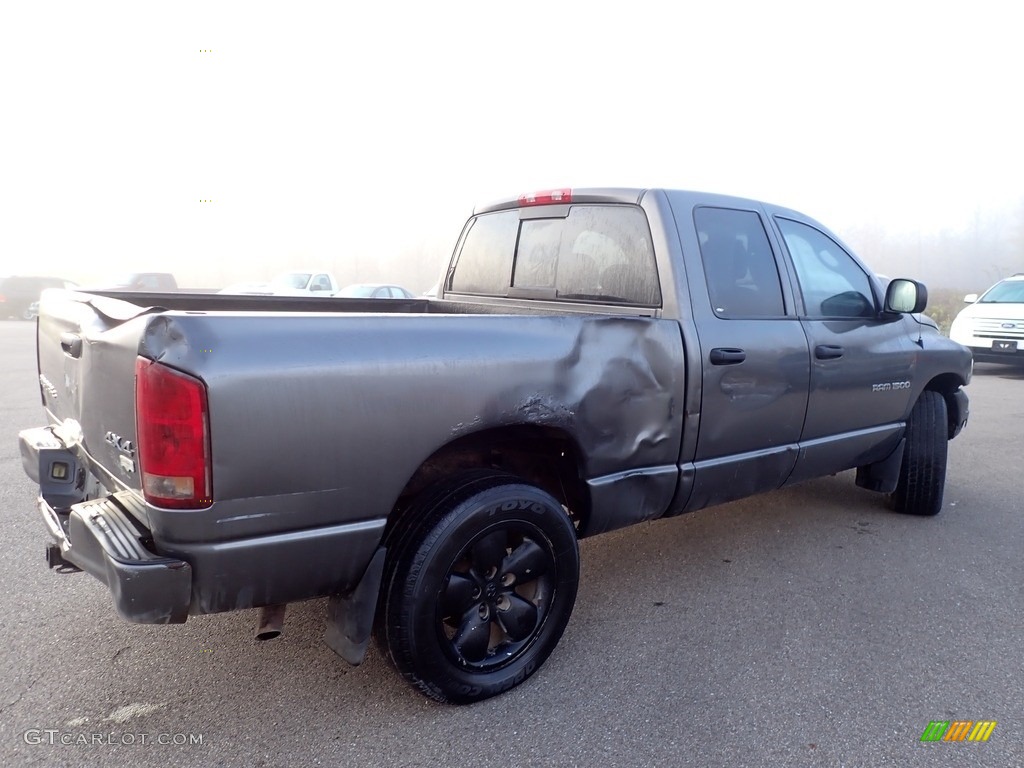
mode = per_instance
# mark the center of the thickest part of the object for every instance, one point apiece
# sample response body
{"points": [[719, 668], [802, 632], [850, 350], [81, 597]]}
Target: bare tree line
{"points": [[969, 258]]}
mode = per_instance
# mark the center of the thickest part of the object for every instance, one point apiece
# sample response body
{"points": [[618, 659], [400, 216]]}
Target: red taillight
{"points": [[174, 447], [547, 197]]}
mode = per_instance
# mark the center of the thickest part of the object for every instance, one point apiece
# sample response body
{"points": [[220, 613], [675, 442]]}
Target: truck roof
{"points": [[566, 195], [626, 195]]}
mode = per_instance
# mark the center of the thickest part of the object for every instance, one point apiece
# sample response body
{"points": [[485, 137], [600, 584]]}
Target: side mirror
{"points": [[970, 298], [903, 296]]}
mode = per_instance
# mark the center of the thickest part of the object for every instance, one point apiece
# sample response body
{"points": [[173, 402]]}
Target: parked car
{"points": [[18, 293], [993, 325], [288, 284], [594, 359], [374, 291], [246, 289], [149, 282]]}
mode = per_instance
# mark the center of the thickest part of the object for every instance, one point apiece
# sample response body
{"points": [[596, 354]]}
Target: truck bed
{"points": [[215, 302], [323, 414]]}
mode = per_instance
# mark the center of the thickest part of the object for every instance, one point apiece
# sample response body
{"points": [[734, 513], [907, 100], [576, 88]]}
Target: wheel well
{"points": [[947, 384], [545, 456]]}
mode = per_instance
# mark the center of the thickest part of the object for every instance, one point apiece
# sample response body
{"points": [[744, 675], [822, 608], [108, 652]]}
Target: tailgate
{"points": [[86, 347]]}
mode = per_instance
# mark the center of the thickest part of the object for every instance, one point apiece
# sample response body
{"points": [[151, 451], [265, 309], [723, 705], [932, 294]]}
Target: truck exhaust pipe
{"points": [[270, 622]]}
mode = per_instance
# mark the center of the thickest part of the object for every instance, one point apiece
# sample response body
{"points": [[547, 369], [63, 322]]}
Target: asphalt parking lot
{"points": [[809, 626]]}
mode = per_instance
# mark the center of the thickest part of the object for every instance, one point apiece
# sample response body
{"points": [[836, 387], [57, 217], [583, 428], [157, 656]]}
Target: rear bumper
{"points": [[117, 539], [101, 538]]}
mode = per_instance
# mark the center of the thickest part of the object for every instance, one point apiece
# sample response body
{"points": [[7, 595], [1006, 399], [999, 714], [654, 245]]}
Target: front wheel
{"points": [[480, 588], [923, 471]]}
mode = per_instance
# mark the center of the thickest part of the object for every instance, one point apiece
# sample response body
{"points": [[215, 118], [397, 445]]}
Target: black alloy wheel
{"points": [[479, 585], [496, 596]]}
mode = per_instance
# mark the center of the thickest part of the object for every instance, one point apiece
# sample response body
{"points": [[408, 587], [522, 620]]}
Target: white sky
{"points": [[352, 135]]}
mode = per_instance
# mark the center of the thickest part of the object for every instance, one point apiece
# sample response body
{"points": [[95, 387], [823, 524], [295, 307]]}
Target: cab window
{"points": [[606, 255], [588, 253], [485, 261], [832, 283], [742, 277]]}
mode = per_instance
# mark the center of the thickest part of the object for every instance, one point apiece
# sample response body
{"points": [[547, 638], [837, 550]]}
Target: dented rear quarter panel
{"points": [[323, 419]]}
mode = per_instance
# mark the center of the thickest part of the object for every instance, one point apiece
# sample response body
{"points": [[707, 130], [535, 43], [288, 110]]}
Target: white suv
{"points": [[993, 326]]}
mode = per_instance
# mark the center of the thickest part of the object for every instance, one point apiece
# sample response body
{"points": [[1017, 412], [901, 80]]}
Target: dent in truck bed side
{"points": [[612, 384], [299, 504], [298, 479]]}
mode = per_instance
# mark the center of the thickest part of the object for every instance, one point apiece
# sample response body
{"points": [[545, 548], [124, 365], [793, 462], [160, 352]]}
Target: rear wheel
{"points": [[923, 471], [480, 587]]}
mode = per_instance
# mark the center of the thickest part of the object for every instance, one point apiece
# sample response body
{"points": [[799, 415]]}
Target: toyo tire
{"points": [[923, 471], [480, 586]]}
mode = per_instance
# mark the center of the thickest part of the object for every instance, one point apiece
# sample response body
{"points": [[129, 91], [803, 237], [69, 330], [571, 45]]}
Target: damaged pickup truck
{"points": [[593, 359]]}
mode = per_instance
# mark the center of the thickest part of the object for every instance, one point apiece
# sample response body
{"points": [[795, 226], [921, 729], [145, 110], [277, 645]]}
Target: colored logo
{"points": [[958, 730]]}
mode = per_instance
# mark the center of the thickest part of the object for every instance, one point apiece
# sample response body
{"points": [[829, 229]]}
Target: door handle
{"points": [[71, 343], [828, 351], [727, 356]]}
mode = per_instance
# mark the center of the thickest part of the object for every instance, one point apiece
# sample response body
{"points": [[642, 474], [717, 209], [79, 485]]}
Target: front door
{"points": [[862, 362]]}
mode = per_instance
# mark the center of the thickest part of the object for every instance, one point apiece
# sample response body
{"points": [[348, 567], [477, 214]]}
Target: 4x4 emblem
{"points": [[127, 447]]}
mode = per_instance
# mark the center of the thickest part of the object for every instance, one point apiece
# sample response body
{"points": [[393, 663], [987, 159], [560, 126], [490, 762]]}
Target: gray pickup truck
{"points": [[593, 359]]}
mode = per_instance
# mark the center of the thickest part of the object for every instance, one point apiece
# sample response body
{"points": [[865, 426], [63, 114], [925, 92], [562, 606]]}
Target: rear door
{"points": [[754, 358]]}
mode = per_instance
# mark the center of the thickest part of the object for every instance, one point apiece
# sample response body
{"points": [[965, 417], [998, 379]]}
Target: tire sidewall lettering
{"points": [[518, 505]]}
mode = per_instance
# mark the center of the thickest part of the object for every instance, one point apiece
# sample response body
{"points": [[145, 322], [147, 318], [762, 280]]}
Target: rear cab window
{"points": [[588, 253]]}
